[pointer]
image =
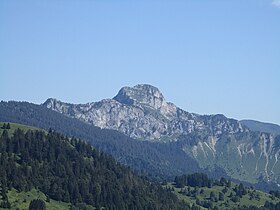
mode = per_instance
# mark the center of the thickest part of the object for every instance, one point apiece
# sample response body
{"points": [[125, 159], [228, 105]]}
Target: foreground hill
{"points": [[212, 141], [71, 171], [67, 173]]}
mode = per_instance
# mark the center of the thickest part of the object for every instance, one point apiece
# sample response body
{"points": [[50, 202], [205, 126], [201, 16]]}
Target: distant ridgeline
{"points": [[71, 171]]}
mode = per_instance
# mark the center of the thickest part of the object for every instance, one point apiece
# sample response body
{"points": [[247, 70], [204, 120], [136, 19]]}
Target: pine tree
{"points": [[221, 196], [8, 126], [37, 204], [4, 126], [212, 196]]}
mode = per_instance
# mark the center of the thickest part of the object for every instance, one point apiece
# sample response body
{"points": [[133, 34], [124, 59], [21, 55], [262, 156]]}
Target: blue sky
{"points": [[206, 56]]}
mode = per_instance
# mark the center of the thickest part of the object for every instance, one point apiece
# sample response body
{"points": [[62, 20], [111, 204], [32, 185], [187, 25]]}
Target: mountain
{"points": [[156, 160], [261, 126], [70, 170], [142, 112], [213, 141]]}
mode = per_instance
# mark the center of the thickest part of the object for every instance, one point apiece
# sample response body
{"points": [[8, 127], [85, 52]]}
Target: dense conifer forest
{"points": [[70, 170]]}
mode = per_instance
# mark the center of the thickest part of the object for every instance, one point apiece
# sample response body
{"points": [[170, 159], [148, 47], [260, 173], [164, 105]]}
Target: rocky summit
{"points": [[142, 112]]}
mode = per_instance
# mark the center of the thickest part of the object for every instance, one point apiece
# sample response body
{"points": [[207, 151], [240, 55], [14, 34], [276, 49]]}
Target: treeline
{"points": [[275, 193], [72, 171], [199, 180], [6, 126]]}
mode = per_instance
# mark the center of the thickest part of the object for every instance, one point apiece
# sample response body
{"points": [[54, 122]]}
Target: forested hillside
{"points": [[70, 170]]}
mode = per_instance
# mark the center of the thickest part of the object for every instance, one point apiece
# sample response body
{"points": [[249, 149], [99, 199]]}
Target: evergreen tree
{"points": [[4, 126], [212, 196], [221, 196], [8, 126], [223, 181], [216, 208], [228, 184], [37, 204]]}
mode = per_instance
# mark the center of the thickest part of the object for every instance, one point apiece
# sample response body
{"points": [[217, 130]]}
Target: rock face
{"points": [[142, 112]]}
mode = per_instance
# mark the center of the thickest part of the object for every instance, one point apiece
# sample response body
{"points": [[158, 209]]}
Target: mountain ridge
{"points": [[142, 112], [158, 161], [213, 141]]}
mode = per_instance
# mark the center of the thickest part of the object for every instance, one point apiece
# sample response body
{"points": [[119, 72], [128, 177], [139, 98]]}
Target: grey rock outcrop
{"points": [[142, 112]]}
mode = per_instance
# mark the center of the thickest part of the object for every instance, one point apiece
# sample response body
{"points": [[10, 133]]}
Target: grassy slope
{"points": [[227, 203], [15, 126], [22, 200]]}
